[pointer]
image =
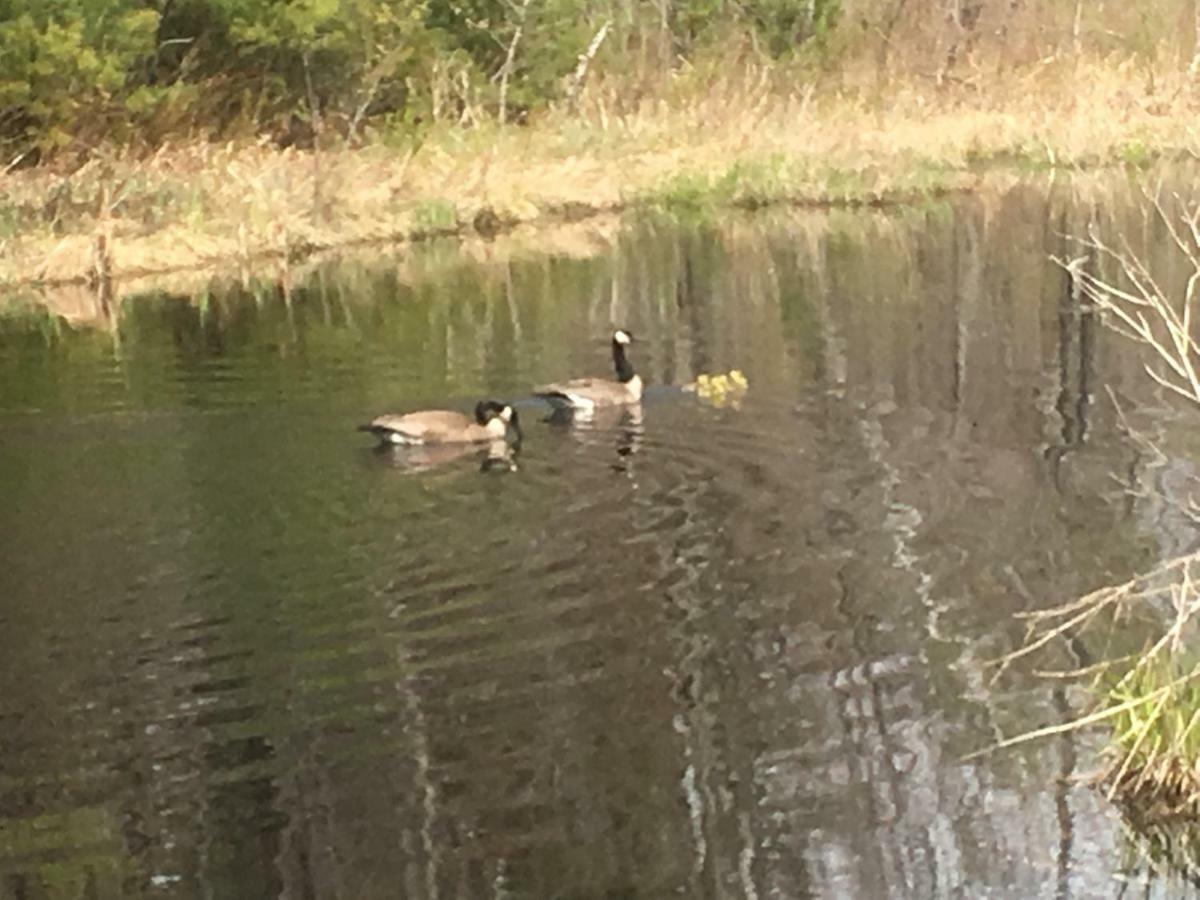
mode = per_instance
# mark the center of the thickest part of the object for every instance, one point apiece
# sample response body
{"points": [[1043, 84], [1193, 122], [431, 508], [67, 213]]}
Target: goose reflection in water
{"points": [[630, 433], [494, 456], [624, 424]]}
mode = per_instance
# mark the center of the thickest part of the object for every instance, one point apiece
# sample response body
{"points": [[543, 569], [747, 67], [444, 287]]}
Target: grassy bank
{"points": [[746, 137], [1146, 692]]}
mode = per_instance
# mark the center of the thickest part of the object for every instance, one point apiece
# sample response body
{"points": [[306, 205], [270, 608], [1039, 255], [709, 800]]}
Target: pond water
{"points": [[695, 649]]}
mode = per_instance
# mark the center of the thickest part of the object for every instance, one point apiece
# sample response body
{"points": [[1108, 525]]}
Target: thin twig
{"points": [[506, 69], [585, 61], [1093, 669]]}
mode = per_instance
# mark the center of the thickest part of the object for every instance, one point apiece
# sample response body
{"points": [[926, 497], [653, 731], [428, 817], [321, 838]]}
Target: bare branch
{"points": [[1146, 313], [506, 69], [585, 60]]}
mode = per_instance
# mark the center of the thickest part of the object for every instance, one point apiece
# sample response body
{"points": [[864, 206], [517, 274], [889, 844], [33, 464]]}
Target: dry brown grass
{"points": [[745, 135]]}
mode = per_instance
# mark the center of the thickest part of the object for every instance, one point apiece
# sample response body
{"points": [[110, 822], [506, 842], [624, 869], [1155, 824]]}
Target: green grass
{"points": [[1155, 743], [1145, 685], [435, 216], [1137, 154], [22, 313], [682, 192], [774, 180]]}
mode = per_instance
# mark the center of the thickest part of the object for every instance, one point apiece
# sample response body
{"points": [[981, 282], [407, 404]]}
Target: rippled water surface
{"points": [[689, 649]]}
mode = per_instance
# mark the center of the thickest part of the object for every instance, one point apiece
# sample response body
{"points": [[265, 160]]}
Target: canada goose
{"points": [[442, 426], [585, 394]]}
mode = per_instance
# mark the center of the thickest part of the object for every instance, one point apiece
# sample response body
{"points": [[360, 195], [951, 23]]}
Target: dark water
{"points": [[697, 651]]}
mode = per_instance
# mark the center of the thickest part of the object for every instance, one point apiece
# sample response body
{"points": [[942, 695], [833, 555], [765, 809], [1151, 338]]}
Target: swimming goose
{"points": [[585, 394], [442, 426]]}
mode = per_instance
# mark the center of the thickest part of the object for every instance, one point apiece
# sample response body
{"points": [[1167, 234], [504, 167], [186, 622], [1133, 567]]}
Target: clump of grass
{"points": [[1155, 751], [755, 183], [1137, 154], [1148, 696], [682, 192], [838, 183], [435, 216]]}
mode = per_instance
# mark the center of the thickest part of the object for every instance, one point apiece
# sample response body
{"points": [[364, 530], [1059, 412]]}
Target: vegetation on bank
{"points": [[1138, 639], [78, 73], [1146, 694], [732, 137], [140, 139]]}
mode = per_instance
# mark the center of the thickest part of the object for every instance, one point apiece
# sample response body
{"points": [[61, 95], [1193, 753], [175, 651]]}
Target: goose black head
{"points": [[623, 337], [486, 410]]}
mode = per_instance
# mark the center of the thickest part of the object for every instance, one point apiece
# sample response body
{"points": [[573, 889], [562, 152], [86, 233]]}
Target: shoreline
{"points": [[486, 225], [228, 209]]}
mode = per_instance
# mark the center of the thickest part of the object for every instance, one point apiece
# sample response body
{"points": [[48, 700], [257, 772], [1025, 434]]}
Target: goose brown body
{"points": [[442, 426], [589, 393]]}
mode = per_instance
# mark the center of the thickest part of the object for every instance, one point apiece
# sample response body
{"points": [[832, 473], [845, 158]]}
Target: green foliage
{"points": [[779, 27], [274, 61], [1162, 709], [435, 215], [754, 183], [1137, 154], [75, 73], [1155, 719], [60, 61], [480, 33], [682, 192], [786, 25]]}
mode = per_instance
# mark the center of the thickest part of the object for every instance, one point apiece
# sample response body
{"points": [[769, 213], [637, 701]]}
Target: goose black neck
{"points": [[621, 363]]}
